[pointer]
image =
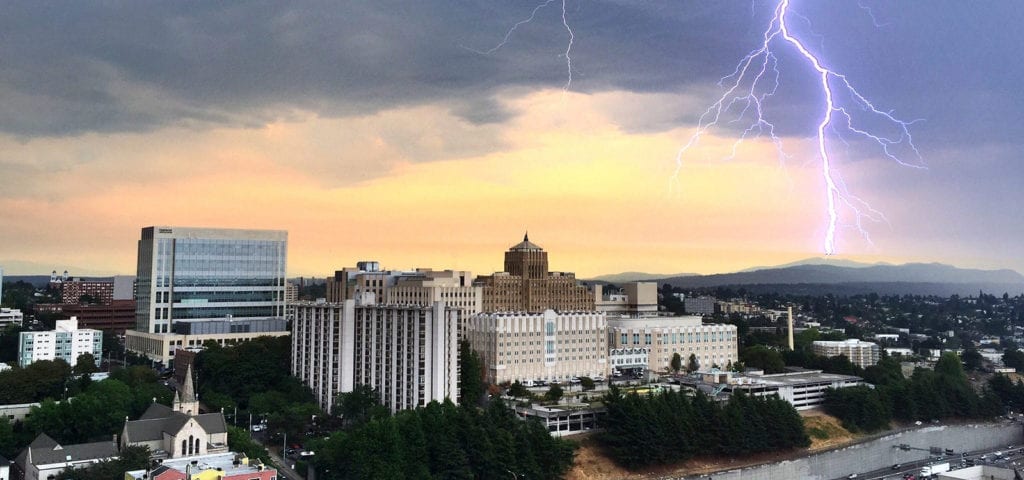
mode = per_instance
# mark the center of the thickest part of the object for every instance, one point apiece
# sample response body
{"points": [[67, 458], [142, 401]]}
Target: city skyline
{"points": [[375, 132]]}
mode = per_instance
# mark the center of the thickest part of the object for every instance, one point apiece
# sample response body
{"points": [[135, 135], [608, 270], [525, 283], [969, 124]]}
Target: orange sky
{"points": [[419, 187]]}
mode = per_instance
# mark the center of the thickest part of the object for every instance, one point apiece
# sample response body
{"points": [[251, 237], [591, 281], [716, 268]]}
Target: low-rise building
{"points": [[803, 389], [550, 346], [711, 344], [221, 466], [16, 412], [45, 458], [861, 353], [66, 342], [161, 347], [11, 316], [408, 353], [699, 305]]}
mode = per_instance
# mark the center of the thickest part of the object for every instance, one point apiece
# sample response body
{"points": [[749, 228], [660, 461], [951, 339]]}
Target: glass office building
{"points": [[206, 280]]}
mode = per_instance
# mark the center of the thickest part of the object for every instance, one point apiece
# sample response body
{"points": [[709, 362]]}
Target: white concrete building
{"points": [[864, 354], [550, 346], [217, 283], [712, 344], [10, 316], [408, 353], [44, 458], [804, 389], [66, 342]]}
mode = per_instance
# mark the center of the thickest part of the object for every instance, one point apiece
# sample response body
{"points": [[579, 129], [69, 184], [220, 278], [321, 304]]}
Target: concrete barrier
{"points": [[879, 453]]}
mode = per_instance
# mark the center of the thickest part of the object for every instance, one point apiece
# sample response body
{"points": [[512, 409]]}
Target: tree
{"points": [[554, 393], [587, 383], [764, 358], [86, 363], [1014, 358], [239, 440], [677, 362], [517, 390], [358, 406], [692, 365], [471, 384]]}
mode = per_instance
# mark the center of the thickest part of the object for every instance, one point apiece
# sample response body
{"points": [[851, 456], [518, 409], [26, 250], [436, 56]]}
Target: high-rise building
{"points": [[526, 285], [549, 346], [66, 342], [408, 353], [200, 284]]}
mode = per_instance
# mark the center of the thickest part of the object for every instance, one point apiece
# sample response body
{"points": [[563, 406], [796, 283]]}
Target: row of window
{"points": [[678, 337]]}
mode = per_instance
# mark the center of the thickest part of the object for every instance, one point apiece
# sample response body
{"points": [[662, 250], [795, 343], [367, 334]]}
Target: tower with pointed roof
{"points": [[187, 402], [526, 259], [527, 285]]}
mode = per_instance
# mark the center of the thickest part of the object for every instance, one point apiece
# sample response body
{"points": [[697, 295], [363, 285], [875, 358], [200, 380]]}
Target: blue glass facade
{"points": [[188, 274]]}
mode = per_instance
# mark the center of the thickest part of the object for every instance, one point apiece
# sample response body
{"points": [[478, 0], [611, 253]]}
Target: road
{"points": [[284, 469], [1006, 460]]}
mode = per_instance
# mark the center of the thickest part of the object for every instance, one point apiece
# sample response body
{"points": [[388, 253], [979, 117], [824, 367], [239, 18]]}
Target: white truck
{"points": [[934, 469]]}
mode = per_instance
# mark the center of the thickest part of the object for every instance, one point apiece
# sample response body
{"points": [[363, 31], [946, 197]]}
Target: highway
{"points": [[1006, 459]]}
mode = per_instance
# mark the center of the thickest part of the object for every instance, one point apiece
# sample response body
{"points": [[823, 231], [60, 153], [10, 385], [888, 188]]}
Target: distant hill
{"points": [[911, 278], [837, 262], [637, 277]]}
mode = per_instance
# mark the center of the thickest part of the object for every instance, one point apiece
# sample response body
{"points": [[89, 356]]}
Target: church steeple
{"points": [[187, 403]]}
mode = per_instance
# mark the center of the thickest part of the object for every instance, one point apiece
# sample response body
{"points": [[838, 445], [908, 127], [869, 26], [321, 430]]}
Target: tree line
{"points": [[927, 395], [643, 430], [441, 440], [255, 377], [96, 412]]}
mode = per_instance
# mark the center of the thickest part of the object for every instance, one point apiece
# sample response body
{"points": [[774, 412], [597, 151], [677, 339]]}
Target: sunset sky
{"points": [[381, 131]]}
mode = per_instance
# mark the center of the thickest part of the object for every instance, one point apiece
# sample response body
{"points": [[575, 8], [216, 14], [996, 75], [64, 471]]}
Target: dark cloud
{"points": [[77, 67]]}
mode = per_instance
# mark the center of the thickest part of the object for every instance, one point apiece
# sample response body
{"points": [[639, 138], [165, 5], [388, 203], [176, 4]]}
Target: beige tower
{"points": [[790, 320]]}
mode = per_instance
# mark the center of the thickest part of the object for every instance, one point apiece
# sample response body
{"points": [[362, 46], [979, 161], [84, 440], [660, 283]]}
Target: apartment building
{"points": [[550, 346], [864, 354], [408, 353], [66, 342]]}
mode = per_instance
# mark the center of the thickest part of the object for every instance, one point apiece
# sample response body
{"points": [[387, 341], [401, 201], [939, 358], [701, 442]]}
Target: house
{"points": [[180, 430], [46, 458]]}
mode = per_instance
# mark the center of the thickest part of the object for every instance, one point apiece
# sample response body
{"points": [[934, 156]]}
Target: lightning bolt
{"points": [[756, 78], [533, 15]]}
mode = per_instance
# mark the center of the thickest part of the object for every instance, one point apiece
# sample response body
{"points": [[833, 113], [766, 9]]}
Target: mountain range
{"points": [[843, 277]]}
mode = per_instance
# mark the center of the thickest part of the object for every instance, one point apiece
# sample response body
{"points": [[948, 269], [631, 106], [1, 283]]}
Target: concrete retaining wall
{"points": [[881, 452]]}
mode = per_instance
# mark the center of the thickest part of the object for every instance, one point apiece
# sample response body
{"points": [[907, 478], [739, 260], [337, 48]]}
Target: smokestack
{"points": [[790, 311]]}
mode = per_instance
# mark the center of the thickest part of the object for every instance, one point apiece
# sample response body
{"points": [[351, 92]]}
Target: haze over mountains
{"points": [[843, 277]]}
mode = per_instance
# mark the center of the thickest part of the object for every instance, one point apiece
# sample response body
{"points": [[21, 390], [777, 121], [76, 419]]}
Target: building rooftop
{"points": [[659, 322], [229, 463], [526, 245]]}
